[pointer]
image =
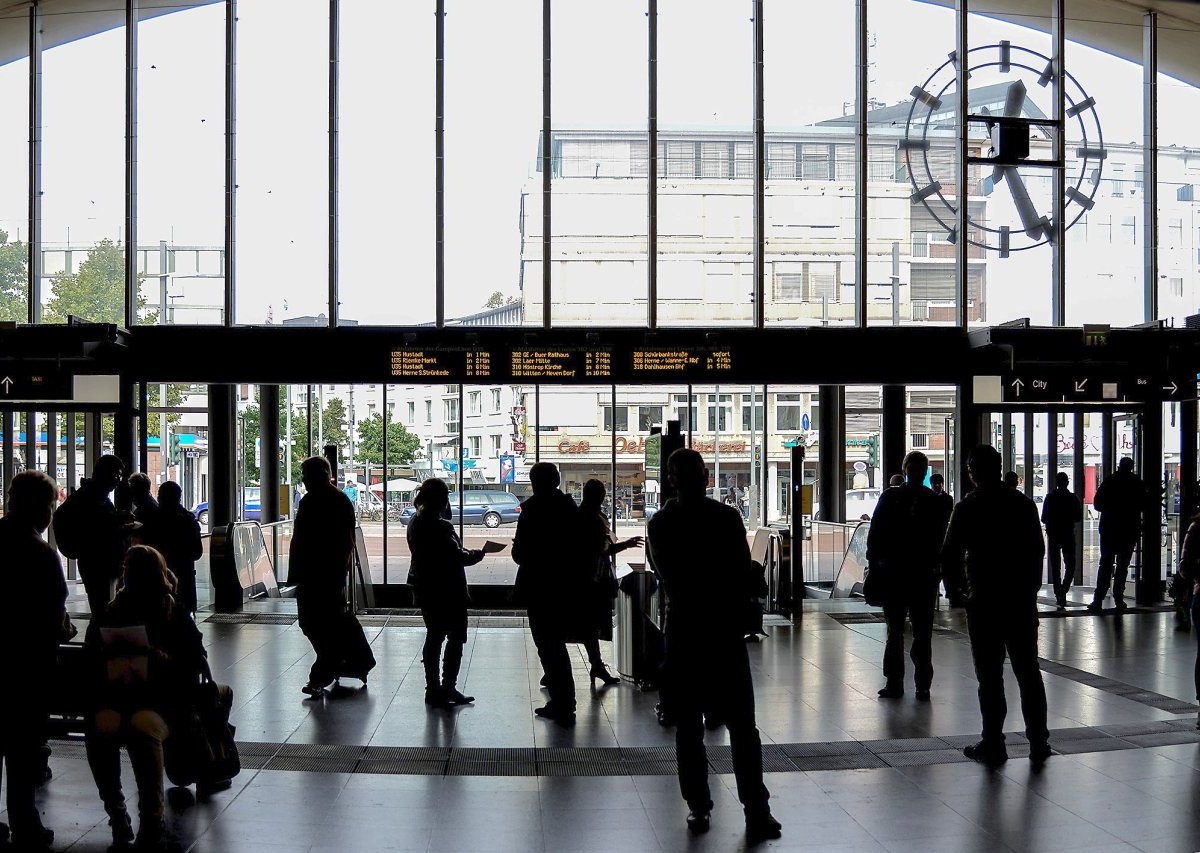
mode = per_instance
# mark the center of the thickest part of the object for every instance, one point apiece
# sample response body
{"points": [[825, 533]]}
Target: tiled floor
{"points": [[815, 684]]}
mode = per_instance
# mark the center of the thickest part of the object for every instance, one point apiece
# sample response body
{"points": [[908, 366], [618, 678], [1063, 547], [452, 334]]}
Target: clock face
{"points": [[1011, 203]]}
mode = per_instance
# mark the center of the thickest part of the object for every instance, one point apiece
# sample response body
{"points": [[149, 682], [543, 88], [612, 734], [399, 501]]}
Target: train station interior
{"points": [[452, 239]]}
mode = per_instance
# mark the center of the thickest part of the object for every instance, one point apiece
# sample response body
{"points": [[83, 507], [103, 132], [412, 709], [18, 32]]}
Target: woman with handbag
{"points": [[438, 579], [149, 655], [597, 582]]}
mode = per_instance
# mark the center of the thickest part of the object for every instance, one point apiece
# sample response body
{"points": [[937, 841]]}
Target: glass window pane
{"points": [[1178, 194], [14, 177], [600, 166], [283, 157], [181, 162], [83, 164], [705, 202], [386, 163], [493, 239]]}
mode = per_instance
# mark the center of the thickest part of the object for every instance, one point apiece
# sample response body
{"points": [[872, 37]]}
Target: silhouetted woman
{"points": [[1189, 569], [597, 586], [150, 656], [438, 579]]}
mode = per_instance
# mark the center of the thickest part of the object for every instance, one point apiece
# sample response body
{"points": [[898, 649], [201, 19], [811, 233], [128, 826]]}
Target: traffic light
{"points": [[174, 450], [873, 450]]}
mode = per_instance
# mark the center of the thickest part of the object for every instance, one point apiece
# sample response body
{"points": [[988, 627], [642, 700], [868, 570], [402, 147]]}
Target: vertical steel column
{"points": [[30, 440], [1108, 447], [71, 449], [462, 421], [334, 176], [1030, 455], [439, 164], [1051, 451], [831, 462], [221, 454], [124, 434], [52, 444], [612, 440], [547, 166], [34, 242], [1008, 448], [969, 432], [1078, 482], [231, 161], [143, 450], [132, 14], [760, 177], [537, 421], [1058, 243], [893, 430], [691, 407], [386, 425], [7, 460], [652, 172], [93, 440], [962, 109], [861, 97], [1149, 589], [268, 403], [1188, 497], [1150, 162]]}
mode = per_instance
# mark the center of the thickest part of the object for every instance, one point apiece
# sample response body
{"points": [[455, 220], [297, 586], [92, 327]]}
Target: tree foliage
{"points": [[402, 444], [499, 300], [96, 291], [14, 282]]}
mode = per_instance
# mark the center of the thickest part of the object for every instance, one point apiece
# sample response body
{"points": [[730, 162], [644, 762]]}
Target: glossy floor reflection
{"points": [[815, 683]]}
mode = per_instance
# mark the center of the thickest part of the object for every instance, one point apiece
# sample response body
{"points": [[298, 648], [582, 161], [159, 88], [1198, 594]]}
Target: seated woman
{"points": [[149, 656]]}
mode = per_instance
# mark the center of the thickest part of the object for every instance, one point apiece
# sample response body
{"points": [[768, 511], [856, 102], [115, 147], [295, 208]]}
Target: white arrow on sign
{"points": [[1017, 384], [1172, 387], [7, 383], [1080, 385]]}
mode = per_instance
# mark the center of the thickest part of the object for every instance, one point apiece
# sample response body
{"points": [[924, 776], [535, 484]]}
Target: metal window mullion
{"points": [[962, 219], [760, 173], [652, 164], [1150, 162], [132, 13], [439, 164], [612, 439], [547, 164], [334, 174], [385, 483], [1058, 308], [862, 69], [231, 163], [34, 240]]}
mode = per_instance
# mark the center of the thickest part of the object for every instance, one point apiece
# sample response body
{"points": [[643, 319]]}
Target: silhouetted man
{"points": [[144, 505], [1013, 480], [1119, 502], [175, 532], [994, 551], [319, 564], [89, 528], [1061, 511], [541, 548], [937, 483], [32, 615], [698, 547], [904, 545]]}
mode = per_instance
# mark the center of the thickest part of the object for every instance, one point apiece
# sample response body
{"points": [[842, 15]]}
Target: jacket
{"points": [[322, 542], [33, 595], [1119, 501], [1061, 511], [437, 573], [906, 532], [542, 545], [175, 532]]}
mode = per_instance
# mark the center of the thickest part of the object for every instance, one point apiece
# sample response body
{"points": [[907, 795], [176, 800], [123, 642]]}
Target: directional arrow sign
{"points": [[1172, 388], [7, 383], [1017, 384], [1080, 386]]}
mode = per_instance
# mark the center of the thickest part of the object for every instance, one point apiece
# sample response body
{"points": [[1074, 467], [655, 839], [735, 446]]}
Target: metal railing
{"points": [[825, 546]]}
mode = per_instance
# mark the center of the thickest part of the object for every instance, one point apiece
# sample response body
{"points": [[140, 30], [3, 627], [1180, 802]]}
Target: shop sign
{"points": [[518, 447]]}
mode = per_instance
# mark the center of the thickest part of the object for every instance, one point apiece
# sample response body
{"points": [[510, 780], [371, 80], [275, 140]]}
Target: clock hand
{"points": [[1034, 224], [1014, 105]]}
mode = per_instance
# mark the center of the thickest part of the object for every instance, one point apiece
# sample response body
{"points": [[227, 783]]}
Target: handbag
{"points": [[201, 746], [875, 588]]}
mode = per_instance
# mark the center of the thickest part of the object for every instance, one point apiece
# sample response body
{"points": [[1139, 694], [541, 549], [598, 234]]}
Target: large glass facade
{"points": [[701, 94]]}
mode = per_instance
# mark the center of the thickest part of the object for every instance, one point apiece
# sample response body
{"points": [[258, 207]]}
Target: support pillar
{"points": [[831, 460], [1149, 581], [894, 429], [1078, 482], [124, 432], [31, 433], [268, 405], [1008, 448], [1108, 448], [1051, 452], [222, 455], [1189, 500], [1030, 455], [6, 454], [972, 426]]}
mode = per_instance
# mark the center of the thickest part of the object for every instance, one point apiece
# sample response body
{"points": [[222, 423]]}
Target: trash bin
{"points": [[638, 634]]}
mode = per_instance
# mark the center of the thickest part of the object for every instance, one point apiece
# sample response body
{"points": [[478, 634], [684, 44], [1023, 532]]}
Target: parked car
{"points": [[489, 508], [251, 506]]}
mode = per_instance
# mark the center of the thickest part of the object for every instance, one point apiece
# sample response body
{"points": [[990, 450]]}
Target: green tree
{"points": [[14, 282], [335, 426], [402, 444], [96, 291], [499, 300]]}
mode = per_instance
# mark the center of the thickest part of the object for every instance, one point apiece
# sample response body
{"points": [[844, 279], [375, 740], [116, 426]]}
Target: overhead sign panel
{"points": [[1045, 386]]}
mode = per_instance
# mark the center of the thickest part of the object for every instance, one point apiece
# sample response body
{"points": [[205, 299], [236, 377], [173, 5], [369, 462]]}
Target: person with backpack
{"points": [[903, 546], [88, 528], [148, 656], [175, 532]]}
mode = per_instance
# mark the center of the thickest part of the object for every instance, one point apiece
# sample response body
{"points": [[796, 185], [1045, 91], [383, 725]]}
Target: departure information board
{"points": [[564, 363], [682, 362]]}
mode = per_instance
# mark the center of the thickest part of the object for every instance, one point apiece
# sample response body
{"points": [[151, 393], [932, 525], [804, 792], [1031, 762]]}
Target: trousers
{"points": [[451, 628], [21, 737], [917, 602], [319, 614], [1113, 558], [549, 636], [143, 733], [1060, 548], [996, 632]]}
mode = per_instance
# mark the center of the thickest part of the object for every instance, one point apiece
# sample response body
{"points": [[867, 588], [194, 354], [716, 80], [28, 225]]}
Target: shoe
{"points": [[891, 692], [151, 835], [986, 753], [1039, 752], [762, 827], [35, 838], [600, 671], [313, 690], [698, 821], [1122, 606], [207, 789], [1095, 606], [122, 831], [450, 697], [922, 695], [558, 715], [1061, 608], [435, 697]]}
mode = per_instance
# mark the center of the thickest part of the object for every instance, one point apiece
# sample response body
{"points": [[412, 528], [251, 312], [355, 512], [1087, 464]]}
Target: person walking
{"points": [[145, 507], [698, 548], [1189, 571], [596, 584], [994, 551], [439, 582], [544, 538], [32, 621], [1061, 511], [175, 533], [87, 527], [937, 484], [1119, 502], [149, 656], [904, 544], [319, 565]]}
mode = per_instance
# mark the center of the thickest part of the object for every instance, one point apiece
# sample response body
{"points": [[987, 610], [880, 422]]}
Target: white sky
{"points": [[493, 117]]}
